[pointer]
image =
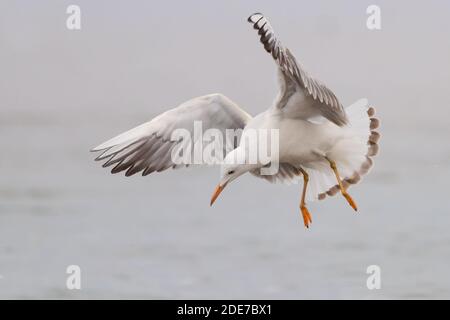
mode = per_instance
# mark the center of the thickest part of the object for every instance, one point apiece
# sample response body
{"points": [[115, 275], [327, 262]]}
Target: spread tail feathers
{"points": [[363, 123]]}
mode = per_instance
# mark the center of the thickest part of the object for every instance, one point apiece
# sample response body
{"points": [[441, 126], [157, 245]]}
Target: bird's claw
{"points": [[350, 201], [306, 216]]}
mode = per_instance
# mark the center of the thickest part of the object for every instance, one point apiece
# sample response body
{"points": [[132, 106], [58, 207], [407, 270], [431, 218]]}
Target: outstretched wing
{"points": [[148, 147], [294, 77]]}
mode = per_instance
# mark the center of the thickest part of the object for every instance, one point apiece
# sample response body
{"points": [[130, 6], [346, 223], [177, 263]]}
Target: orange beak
{"points": [[216, 194]]}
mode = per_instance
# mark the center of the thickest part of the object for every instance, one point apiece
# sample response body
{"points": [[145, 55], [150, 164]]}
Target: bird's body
{"points": [[329, 146], [308, 144], [300, 139]]}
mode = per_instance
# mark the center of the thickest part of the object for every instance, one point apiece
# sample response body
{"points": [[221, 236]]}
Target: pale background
{"points": [[63, 92]]}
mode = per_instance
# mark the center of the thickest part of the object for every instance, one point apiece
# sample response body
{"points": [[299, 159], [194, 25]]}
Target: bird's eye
{"points": [[231, 172]]}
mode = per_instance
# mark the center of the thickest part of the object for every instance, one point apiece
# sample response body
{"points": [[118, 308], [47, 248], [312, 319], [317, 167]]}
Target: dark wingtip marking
{"points": [[374, 137], [249, 19], [333, 190], [374, 123], [116, 169], [365, 167], [107, 163], [132, 170], [354, 179], [102, 155], [147, 171], [373, 150]]}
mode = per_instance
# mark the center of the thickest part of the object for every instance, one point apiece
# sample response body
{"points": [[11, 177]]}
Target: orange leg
{"points": [[349, 199], [305, 213]]}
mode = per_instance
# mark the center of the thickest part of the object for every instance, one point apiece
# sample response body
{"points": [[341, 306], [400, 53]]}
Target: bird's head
{"points": [[233, 166]]}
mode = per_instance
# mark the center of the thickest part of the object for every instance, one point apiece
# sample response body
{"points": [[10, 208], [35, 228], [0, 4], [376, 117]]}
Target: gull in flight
{"points": [[328, 146]]}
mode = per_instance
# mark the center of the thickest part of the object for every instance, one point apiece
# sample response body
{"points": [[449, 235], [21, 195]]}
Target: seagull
{"points": [[320, 142]]}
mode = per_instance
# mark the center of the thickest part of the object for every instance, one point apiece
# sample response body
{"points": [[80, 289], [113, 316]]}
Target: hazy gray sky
{"points": [[145, 56], [63, 92]]}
